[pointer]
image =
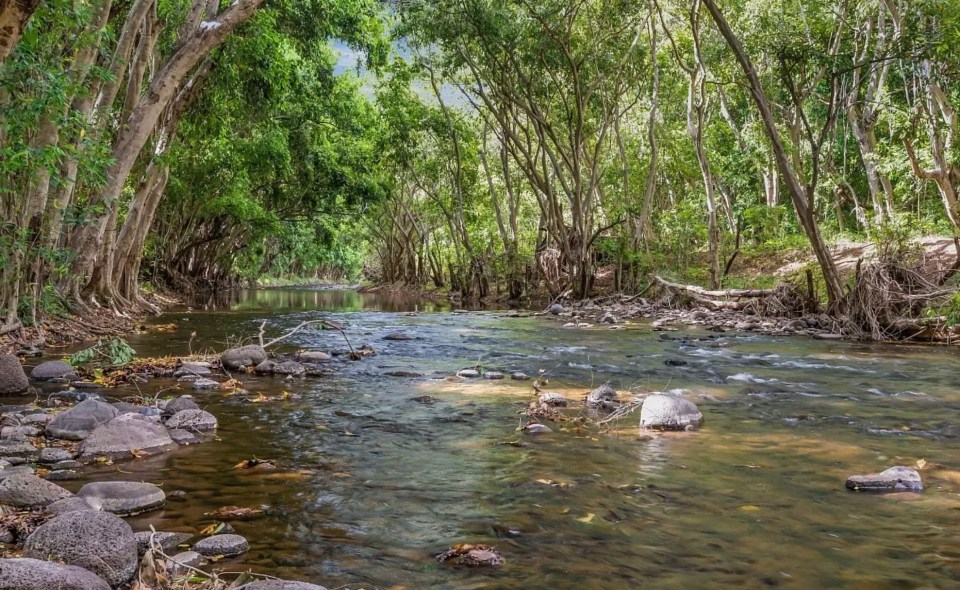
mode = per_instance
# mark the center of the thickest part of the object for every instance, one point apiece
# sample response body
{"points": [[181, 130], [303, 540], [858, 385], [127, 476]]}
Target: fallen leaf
{"points": [[749, 508], [921, 463], [587, 518]]}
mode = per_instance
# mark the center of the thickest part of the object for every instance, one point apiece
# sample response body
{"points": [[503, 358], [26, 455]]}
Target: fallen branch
{"points": [[733, 293], [327, 324]]}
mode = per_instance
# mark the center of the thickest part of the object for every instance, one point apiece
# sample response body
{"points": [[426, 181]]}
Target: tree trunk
{"points": [[13, 20]]}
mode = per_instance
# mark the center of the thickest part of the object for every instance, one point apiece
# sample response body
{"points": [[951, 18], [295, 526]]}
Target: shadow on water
{"points": [[373, 484]]}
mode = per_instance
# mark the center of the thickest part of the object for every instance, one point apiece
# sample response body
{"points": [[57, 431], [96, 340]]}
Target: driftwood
{"points": [[722, 293], [326, 324]]}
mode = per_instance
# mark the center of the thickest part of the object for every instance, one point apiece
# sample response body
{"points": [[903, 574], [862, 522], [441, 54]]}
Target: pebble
{"points": [[226, 545]]}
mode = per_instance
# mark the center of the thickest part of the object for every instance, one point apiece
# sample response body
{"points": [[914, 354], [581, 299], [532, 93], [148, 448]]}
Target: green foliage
{"points": [[111, 353]]}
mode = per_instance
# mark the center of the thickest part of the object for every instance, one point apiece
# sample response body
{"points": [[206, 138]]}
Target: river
{"points": [[374, 484]]}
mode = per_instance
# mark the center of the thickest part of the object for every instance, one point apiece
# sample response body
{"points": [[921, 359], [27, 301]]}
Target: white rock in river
{"points": [[669, 412]]}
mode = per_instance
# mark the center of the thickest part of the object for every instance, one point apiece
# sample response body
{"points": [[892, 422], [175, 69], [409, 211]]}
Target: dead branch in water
{"points": [[326, 324]]}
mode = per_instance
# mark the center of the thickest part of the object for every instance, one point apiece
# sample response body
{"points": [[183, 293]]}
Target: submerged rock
{"points": [[472, 556], [895, 479], [124, 498], [37, 574], [203, 384], [244, 356], [398, 336], [51, 370], [536, 428], [124, 437], [669, 412], [79, 421], [226, 545], [604, 396], [13, 379], [25, 490], [192, 369], [193, 421], [97, 541], [167, 542]]}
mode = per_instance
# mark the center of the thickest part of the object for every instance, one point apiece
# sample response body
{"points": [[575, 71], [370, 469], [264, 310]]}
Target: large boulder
{"points": [[124, 498], [126, 436], [25, 490], [36, 574], [895, 479], [669, 412], [18, 449], [279, 585], [193, 420], [13, 380], [98, 541], [51, 370], [245, 356], [79, 421]]}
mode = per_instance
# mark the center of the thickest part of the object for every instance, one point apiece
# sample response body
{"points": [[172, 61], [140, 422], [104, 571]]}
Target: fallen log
{"points": [[707, 293]]}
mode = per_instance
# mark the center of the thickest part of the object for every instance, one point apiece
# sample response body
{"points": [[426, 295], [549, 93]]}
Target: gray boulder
{"points": [[25, 490], [10, 471], [555, 309], [53, 370], [120, 437], [178, 404], [51, 455], [13, 380], [97, 541], [18, 449], [895, 479], [604, 396], [269, 367], [193, 420], [181, 563], [183, 437], [79, 421], [519, 376], [468, 373], [279, 585], [669, 412], [245, 356], [18, 432], [168, 542], [205, 384], [193, 369], [37, 574], [226, 545], [124, 498], [71, 504], [313, 356]]}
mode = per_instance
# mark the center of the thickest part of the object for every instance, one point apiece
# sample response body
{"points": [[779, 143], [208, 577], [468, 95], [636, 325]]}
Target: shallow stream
{"points": [[374, 484]]}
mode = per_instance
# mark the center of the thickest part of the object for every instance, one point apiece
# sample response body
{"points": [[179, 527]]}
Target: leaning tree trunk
{"points": [[13, 20]]}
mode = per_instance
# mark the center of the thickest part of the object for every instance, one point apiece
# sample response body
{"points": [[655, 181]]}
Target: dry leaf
{"points": [[587, 518]]}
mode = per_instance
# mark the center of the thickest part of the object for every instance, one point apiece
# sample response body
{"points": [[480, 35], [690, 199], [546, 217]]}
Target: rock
{"points": [[204, 384], [178, 404], [18, 432], [555, 309], [71, 504], [37, 574], [37, 419], [794, 326], [269, 367], [468, 373], [13, 380], [167, 542], [18, 449], [669, 412], [226, 545], [518, 376], [472, 556], [120, 437], [493, 375], [126, 408], [26, 490], [536, 428], [10, 471], [179, 562], [403, 374], [607, 318], [675, 363], [313, 356], [79, 421], [183, 437], [746, 326], [603, 397], [53, 370], [245, 356], [398, 336], [279, 585], [553, 400], [97, 541], [63, 475], [54, 455], [67, 464], [193, 420], [124, 498], [192, 369], [895, 479]]}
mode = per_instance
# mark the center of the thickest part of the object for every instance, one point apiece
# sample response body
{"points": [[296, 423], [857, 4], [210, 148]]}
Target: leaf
{"points": [[587, 518], [921, 463], [750, 508]]}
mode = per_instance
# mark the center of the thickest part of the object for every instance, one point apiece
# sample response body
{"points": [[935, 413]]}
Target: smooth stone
{"points": [[120, 437], [536, 428], [39, 574], [894, 479], [13, 379], [53, 370], [79, 421], [15, 470], [36, 419], [518, 376], [607, 318], [555, 309], [554, 400], [226, 545], [67, 464], [98, 541], [26, 490], [71, 504], [669, 412], [244, 356], [183, 437], [18, 432], [18, 449], [167, 541], [63, 475], [313, 356], [193, 420], [604, 396], [468, 373], [269, 367], [493, 375], [180, 403], [181, 563], [205, 384], [192, 369], [398, 336], [124, 498], [54, 455], [279, 585]]}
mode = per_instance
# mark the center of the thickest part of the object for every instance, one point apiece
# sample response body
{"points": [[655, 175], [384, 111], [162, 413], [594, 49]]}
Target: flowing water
{"points": [[374, 484]]}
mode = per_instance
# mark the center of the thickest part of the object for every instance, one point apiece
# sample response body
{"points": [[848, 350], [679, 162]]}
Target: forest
{"points": [[489, 148]]}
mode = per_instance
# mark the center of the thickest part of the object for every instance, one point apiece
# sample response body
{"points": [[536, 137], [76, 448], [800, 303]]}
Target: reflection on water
{"points": [[373, 483]]}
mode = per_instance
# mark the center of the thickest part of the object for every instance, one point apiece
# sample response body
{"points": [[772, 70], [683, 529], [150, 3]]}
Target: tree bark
{"points": [[13, 20]]}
